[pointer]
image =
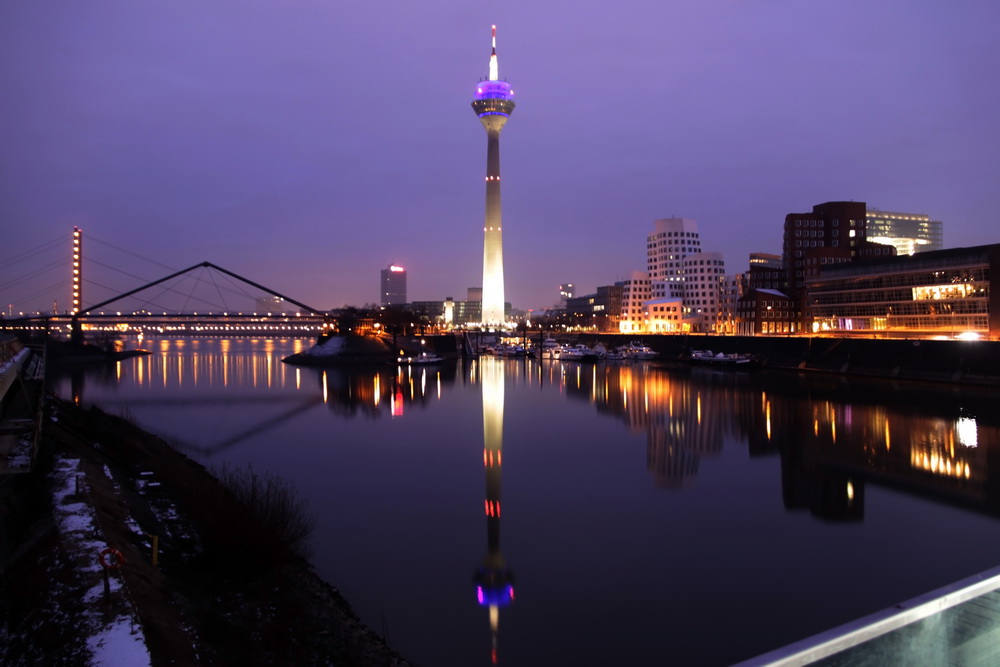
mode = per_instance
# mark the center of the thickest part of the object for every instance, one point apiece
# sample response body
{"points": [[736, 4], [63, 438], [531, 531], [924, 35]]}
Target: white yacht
{"points": [[638, 351], [549, 349], [578, 352]]}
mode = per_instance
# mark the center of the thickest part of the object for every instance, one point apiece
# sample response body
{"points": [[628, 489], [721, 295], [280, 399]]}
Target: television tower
{"points": [[493, 103]]}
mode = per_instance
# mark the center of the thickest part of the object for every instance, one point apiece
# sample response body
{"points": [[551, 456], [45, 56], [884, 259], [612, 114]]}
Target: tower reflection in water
{"points": [[494, 580]]}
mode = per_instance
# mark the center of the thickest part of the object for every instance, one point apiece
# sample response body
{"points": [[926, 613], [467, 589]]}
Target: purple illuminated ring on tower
{"points": [[493, 98], [494, 90]]}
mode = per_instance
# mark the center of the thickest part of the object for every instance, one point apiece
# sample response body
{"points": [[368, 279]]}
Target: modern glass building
{"points": [[908, 233], [944, 293]]}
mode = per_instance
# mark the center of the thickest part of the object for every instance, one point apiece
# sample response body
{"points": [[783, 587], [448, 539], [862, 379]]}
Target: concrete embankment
{"points": [[954, 361]]}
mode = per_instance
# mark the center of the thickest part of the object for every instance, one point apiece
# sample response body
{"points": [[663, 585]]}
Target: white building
{"points": [[671, 240], [702, 275], [635, 295], [678, 269]]}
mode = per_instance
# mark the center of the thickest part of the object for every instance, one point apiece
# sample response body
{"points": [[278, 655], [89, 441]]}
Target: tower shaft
{"points": [[493, 282]]}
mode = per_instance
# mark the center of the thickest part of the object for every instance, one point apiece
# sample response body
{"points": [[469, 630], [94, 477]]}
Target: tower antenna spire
{"points": [[494, 68]]}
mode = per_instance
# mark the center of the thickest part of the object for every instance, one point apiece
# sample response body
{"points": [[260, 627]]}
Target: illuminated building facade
{"points": [[908, 233], [393, 285], [945, 293], [732, 288], [636, 291], [566, 292], [679, 270], [600, 310], [832, 232], [703, 274], [766, 312], [493, 104]]}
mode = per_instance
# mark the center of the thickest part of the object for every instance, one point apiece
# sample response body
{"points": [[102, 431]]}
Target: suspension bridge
{"points": [[203, 299]]}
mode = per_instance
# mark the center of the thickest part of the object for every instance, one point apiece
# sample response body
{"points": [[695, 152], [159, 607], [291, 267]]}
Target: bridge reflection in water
{"points": [[833, 440]]}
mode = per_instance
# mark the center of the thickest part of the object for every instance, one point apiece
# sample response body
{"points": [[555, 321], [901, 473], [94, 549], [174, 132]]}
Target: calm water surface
{"points": [[556, 513]]}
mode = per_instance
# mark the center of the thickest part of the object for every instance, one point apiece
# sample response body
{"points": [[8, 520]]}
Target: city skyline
{"points": [[267, 138]]}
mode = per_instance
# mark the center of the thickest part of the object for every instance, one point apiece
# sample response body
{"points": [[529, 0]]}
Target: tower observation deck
{"points": [[493, 103]]}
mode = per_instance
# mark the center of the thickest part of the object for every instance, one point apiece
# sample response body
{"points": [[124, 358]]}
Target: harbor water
{"points": [[524, 512]]}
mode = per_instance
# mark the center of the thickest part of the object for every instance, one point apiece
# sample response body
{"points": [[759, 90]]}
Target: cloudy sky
{"points": [[308, 144]]}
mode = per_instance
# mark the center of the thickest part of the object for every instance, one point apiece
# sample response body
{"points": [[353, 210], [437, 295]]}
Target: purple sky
{"points": [[307, 145]]}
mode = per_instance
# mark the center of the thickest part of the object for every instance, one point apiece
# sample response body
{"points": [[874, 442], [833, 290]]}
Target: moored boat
{"points": [[721, 359], [549, 349], [578, 352], [510, 350], [638, 352], [420, 359]]}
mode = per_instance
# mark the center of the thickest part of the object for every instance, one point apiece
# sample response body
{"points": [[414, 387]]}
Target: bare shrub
{"points": [[274, 503], [251, 521]]}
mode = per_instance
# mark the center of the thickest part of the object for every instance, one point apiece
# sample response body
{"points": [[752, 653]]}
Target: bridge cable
{"points": [[31, 252], [112, 290], [131, 275], [45, 290], [34, 274], [239, 288], [211, 275], [129, 252], [163, 291], [174, 289]]}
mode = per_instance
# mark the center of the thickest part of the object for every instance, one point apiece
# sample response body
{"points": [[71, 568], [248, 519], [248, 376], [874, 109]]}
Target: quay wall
{"points": [[954, 361]]}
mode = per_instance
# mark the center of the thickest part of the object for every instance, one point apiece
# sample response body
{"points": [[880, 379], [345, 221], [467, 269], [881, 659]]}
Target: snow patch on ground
{"points": [[118, 641], [330, 347]]}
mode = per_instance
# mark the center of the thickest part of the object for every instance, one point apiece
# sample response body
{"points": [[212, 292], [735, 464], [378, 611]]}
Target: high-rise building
{"points": [[832, 233], [679, 271], [566, 291], [908, 233], [703, 275], [493, 103], [393, 284]]}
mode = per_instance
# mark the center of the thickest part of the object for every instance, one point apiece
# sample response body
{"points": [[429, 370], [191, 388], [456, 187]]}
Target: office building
{"points": [[942, 293], [393, 285], [908, 233], [833, 232]]}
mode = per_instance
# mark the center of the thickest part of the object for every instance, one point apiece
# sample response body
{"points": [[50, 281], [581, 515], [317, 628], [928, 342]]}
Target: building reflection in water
{"points": [[375, 391], [494, 580], [683, 421], [931, 443], [832, 437]]}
